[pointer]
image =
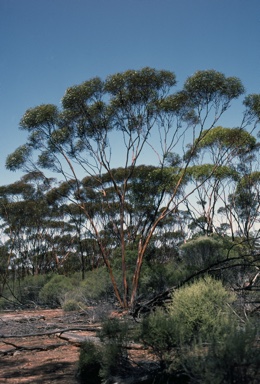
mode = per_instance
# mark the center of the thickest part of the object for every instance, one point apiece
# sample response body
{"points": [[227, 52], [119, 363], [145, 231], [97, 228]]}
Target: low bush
{"points": [[233, 358], [200, 309], [24, 293], [200, 339], [54, 292], [29, 288], [114, 336], [89, 365], [102, 361], [71, 305], [96, 286]]}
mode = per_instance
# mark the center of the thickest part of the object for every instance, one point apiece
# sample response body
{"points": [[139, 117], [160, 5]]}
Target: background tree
{"points": [[33, 228], [214, 168]]}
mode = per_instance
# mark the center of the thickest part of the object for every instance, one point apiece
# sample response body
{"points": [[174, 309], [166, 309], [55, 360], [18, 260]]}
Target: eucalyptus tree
{"points": [[242, 206], [214, 170], [128, 119], [15, 218], [245, 204], [85, 250], [32, 227]]}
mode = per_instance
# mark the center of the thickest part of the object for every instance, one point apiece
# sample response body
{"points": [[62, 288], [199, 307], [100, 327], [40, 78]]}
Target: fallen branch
{"points": [[23, 319], [77, 339], [30, 348], [60, 331]]}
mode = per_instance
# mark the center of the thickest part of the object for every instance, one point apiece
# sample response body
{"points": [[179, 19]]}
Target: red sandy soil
{"points": [[50, 358], [24, 360]]}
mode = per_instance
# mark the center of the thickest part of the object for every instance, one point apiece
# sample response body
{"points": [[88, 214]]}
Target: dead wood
{"points": [[148, 306], [25, 319], [77, 339], [58, 331], [35, 348]]}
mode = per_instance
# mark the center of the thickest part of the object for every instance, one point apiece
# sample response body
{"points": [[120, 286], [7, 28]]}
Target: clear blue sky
{"points": [[48, 45]]}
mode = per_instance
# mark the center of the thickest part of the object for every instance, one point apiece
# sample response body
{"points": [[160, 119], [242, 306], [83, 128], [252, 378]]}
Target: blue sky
{"points": [[48, 45]]}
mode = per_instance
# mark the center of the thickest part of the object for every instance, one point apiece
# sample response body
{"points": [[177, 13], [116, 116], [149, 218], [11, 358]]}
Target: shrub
{"points": [[159, 332], [24, 292], [96, 286], [233, 358], [102, 361], [53, 293], [71, 305], [200, 309], [202, 251], [89, 363], [197, 316], [114, 336], [29, 288]]}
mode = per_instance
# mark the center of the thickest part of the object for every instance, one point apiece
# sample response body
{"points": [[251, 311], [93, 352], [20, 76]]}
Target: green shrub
{"points": [[202, 251], [197, 316], [200, 309], [157, 277], [71, 305], [28, 289], [96, 286], [114, 336], [233, 358], [107, 359], [159, 332], [89, 363], [53, 293], [24, 292]]}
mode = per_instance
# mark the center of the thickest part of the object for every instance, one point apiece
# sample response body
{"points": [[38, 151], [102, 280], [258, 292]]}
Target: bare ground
{"points": [[51, 358], [42, 346]]}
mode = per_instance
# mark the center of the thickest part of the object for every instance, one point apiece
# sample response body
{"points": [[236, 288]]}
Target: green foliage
{"points": [[29, 288], [220, 140], [197, 316], [138, 87], [79, 95], [53, 293], [24, 291], [114, 335], [71, 264], [199, 308], [59, 290], [96, 286], [110, 356], [230, 357], [159, 332], [131, 207], [204, 171], [237, 358], [157, 277], [89, 363], [210, 85], [252, 103], [227, 138], [18, 158], [114, 330], [42, 115], [202, 252], [71, 305]]}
